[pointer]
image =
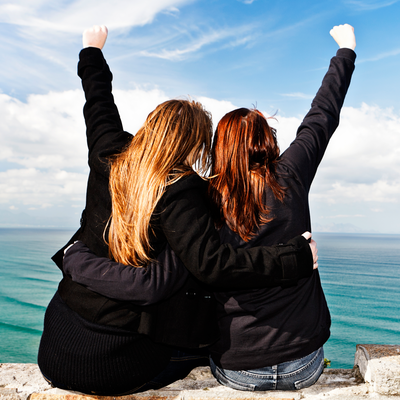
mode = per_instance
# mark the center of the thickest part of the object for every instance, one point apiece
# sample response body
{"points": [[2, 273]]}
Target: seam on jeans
{"points": [[253, 374], [289, 374], [219, 375], [311, 379], [297, 371]]}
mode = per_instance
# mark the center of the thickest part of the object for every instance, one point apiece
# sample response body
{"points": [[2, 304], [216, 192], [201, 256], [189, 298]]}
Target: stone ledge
{"points": [[379, 365], [25, 382]]}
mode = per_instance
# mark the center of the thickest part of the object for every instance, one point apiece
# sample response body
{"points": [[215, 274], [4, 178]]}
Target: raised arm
{"points": [[313, 135], [105, 135]]}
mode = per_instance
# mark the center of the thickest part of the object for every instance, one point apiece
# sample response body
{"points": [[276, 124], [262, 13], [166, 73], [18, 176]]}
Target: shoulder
{"points": [[191, 182], [188, 193]]}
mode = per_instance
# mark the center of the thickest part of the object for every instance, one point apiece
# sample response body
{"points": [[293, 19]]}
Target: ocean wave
{"points": [[6, 300], [19, 328]]}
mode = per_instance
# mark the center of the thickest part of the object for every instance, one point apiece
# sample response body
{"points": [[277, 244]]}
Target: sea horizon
{"points": [[359, 272], [352, 229]]}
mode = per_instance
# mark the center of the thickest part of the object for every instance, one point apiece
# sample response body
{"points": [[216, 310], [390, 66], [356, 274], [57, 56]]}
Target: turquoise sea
{"points": [[360, 276]]}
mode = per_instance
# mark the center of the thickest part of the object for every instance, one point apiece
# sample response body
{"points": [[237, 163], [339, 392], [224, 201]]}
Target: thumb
{"points": [[307, 235]]}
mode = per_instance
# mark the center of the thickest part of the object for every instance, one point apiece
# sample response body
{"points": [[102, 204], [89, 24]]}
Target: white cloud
{"points": [[217, 108], [362, 162], [366, 147], [46, 137], [74, 16], [380, 191], [45, 132], [135, 105], [286, 129], [43, 141], [41, 189]]}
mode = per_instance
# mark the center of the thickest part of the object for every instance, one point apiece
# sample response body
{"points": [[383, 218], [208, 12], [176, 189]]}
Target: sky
{"points": [[224, 53]]}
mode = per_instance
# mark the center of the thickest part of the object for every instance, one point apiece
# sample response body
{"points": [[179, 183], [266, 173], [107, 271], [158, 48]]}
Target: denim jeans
{"points": [[291, 375]]}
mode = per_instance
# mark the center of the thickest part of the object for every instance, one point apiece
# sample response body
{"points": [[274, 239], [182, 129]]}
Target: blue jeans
{"points": [[291, 375]]}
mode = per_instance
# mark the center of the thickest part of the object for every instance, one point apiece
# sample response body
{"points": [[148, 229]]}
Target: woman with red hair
{"points": [[272, 338]]}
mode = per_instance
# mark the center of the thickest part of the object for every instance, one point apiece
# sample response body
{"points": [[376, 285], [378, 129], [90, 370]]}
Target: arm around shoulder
{"points": [[190, 231]]}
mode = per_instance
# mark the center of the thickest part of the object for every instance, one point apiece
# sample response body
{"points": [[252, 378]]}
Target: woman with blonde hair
{"points": [[146, 206]]}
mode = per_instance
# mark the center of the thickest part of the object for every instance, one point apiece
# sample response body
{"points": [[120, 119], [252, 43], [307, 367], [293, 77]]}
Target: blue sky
{"points": [[227, 54]]}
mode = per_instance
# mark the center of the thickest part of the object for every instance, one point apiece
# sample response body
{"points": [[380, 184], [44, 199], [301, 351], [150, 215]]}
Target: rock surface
{"points": [[25, 382], [380, 367]]}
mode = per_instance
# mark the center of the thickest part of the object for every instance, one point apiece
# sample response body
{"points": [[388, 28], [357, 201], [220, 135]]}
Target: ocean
{"points": [[360, 275]]}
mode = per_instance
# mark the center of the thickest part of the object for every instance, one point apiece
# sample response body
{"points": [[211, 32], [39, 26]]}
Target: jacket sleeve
{"points": [[141, 286], [190, 231], [313, 135], [104, 131]]}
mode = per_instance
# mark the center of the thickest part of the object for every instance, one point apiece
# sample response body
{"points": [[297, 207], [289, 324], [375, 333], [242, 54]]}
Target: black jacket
{"points": [[273, 325]]}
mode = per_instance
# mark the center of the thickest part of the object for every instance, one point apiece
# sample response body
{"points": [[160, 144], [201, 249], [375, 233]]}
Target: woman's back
{"points": [[274, 325]]}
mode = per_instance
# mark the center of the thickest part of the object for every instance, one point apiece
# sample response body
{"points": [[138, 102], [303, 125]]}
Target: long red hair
{"points": [[244, 156]]}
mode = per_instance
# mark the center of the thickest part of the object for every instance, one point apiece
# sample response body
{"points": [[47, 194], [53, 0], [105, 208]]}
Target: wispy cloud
{"points": [[367, 5], [344, 216], [179, 54], [49, 35], [380, 56], [74, 16], [247, 1], [298, 95], [198, 43]]}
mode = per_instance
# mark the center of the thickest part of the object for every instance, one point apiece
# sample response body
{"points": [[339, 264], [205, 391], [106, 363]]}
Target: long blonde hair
{"points": [[175, 137]]}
